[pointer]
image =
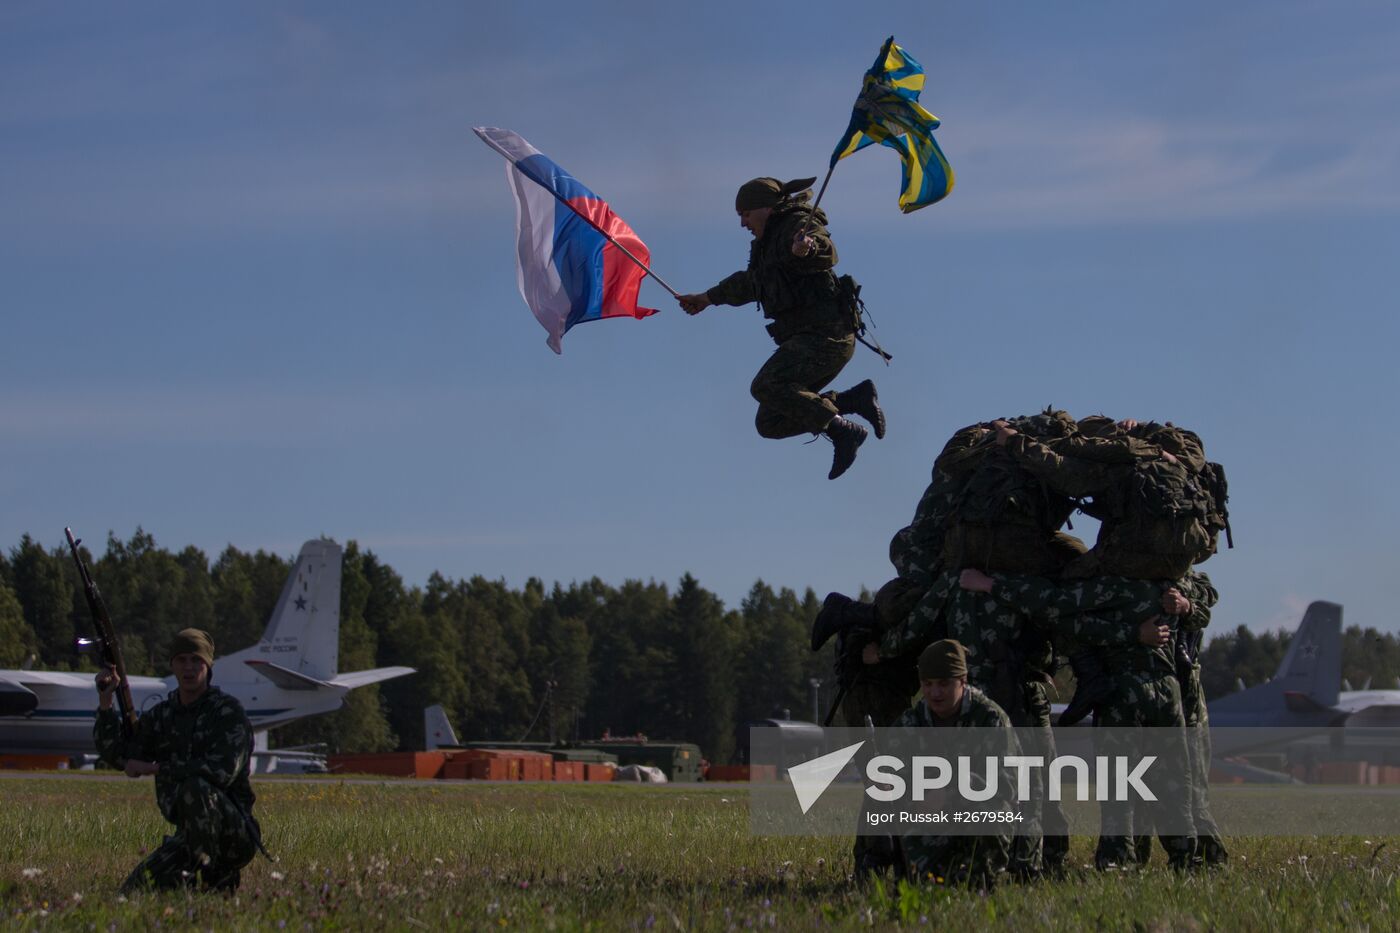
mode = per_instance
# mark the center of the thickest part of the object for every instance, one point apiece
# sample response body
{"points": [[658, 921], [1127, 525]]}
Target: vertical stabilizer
{"points": [[437, 731], [1313, 664], [303, 634]]}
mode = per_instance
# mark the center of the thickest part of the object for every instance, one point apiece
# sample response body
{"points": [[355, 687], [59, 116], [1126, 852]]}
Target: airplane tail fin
{"points": [[303, 636], [437, 731], [1313, 664], [1311, 671]]}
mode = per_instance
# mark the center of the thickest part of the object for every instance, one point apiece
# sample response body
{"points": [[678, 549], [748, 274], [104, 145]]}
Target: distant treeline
{"points": [[576, 660], [561, 661]]}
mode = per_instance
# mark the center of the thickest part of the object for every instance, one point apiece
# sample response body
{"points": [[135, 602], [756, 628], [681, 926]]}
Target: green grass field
{"points": [[550, 856]]}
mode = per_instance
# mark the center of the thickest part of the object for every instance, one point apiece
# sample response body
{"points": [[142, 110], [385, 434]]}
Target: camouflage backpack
{"points": [[1170, 514], [1004, 519]]}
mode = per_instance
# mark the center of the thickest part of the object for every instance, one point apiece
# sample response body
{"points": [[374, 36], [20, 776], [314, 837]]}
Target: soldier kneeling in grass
{"points": [[197, 743]]}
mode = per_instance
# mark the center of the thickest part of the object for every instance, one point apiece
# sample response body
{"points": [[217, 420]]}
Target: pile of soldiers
{"points": [[990, 591]]}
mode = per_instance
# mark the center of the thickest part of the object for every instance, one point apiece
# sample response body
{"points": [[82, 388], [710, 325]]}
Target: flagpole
{"points": [[625, 251], [815, 204]]}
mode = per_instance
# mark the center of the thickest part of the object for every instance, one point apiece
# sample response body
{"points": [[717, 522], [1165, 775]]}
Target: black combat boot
{"points": [[847, 436], [839, 612], [221, 879], [861, 400], [1091, 685]]}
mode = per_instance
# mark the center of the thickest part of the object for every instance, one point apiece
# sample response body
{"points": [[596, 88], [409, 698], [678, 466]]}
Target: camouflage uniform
{"points": [[910, 607], [1196, 586], [202, 788], [1009, 658], [815, 335], [908, 610], [1103, 468], [977, 860], [1144, 692], [910, 613]]}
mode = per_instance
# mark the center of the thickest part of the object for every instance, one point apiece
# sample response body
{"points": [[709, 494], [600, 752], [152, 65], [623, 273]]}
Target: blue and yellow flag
{"points": [[888, 112]]}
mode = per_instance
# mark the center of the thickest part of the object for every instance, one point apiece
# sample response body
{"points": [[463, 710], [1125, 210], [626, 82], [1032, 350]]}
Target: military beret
{"points": [[193, 641], [943, 660]]}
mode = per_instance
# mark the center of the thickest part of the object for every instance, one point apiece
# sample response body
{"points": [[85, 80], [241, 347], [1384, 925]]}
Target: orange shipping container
{"points": [[536, 766], [33, 762], [494, 769], [568, 771], [425, 765], [599, 772], [1341, 772]]}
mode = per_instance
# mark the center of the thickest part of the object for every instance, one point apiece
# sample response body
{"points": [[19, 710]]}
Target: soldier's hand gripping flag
{"points": [[887, 111]]}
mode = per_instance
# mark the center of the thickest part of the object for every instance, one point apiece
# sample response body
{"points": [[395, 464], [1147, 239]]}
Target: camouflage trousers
{"points": [[213, 839], [988, 630], [1146, 701], [1210, 850], [972, 860], [883, 692], [787, 386]]}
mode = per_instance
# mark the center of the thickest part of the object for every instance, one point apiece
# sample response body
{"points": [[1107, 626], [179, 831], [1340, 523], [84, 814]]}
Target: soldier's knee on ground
{"points": [[171, 865]]}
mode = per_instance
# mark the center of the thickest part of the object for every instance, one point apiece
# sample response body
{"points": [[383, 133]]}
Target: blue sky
{"points": [[257, 281]]}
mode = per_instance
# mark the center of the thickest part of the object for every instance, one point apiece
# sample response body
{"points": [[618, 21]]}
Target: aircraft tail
{"points": [[437, 731], [302, 639], [1313, 664], [1311, 671]]}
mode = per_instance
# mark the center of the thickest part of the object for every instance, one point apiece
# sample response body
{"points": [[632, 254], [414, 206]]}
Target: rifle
{"points": [[105, 643], [850, 641]]}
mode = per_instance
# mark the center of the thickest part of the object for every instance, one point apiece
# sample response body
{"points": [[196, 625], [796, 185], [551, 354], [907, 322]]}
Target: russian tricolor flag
{"points": [[568, 271]]}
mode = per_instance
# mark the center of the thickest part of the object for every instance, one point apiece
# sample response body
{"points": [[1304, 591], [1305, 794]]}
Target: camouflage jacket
{"points": [[1102, 612], [916, 548], [798, 293], [210, 739], [977, 710], [998, 739], [1196, 586]]}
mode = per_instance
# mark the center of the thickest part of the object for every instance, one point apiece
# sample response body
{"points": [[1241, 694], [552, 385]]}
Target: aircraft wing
{"points": [[286, 678], [1379, 714], [15, 698], [364, 678]]}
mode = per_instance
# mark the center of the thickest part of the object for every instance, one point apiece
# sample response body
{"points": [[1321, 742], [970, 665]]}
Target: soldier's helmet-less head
{"points": [[764, 192], [193, 641]]}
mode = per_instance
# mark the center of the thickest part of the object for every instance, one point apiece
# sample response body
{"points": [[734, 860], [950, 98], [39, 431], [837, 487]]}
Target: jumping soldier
{"points": [[814, 321]]}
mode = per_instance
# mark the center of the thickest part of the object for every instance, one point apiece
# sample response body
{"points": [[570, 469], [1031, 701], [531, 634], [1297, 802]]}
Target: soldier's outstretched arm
{"points": [[1048, 599], [1068, 476], [737, 289]]}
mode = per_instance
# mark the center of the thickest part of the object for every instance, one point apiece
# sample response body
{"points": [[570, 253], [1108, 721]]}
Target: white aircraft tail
{"points": [[437, 731], [301, 645]]}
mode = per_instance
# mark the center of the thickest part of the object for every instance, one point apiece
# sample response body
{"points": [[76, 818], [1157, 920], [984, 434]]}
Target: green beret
{"points": [[193, 641], [943, 660], [768, 192]]}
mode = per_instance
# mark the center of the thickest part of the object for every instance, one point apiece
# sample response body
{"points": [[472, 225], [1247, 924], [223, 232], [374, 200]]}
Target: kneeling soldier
{"points": [[197, 743], [946, 699]]}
